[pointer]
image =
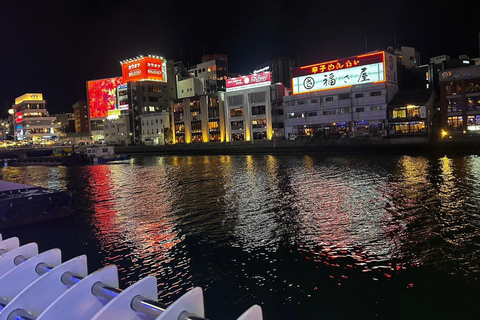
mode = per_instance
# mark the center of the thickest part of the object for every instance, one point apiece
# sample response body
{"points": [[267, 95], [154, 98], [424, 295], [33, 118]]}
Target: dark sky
{"points": [[54, 47]]}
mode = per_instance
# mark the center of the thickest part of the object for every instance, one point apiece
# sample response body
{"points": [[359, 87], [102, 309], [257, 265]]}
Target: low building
{"points": [[460, 101], [413, 113], [155, 128], [342, 98]]}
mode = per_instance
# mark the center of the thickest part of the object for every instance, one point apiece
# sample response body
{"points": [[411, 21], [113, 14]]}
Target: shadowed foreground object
{"points": [[39, 286]]}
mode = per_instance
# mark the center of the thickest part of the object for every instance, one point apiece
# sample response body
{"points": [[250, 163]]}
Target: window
{"points": [[344, 96], [312, 114], [455, 123], [329, 112], [258, 110], [153, 99], [375, 108], [345, 110], [358, 95], [235, 100], [314, 101], [257, 97], [359, 109], [237, 112], [329, 99], [399, 113], [299, 102], [454, 105], [375, 93]]}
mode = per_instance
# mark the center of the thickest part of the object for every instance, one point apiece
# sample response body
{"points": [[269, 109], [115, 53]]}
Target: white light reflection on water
{"points": [[282, 230]]}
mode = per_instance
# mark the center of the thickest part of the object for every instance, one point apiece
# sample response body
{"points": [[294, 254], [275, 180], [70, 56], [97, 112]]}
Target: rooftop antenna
{"points": [[394, 38]]}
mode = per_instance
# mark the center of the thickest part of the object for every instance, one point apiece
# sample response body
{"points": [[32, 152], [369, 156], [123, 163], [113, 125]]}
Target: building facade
{"points": [[252, 107], [32, 122], [460, 101], [198, 112], [341, 98], [80, 115]]}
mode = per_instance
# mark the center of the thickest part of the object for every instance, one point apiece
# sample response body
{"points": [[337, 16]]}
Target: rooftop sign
{"points": [[250, 81], [29, 97], [341, 73]]}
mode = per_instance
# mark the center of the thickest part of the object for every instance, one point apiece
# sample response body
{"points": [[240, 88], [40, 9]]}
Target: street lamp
{"points": [[11, 112]]}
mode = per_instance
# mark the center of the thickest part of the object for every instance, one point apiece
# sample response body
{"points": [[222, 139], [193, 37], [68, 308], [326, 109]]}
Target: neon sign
{"points": [[341, 73], [144, 68], [248, 82]]}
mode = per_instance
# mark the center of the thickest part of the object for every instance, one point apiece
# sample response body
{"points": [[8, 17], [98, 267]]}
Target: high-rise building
{"points": [[80, 115]]}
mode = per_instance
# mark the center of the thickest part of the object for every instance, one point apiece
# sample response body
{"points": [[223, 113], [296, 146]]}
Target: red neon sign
{"points": [[339, 64]]}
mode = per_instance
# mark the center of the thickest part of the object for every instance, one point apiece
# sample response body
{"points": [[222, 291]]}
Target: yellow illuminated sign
{"points": [[29, 97]]}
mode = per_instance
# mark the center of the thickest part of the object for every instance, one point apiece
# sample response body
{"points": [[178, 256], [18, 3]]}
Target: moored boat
{"points": [[22, 204]]}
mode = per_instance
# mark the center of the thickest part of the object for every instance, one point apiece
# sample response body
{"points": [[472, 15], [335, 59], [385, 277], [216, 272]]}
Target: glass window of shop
{"points": [[455, 123], [473, 123], [259, 135], [473, 86], [258, 110], [213, 126], [259, 123], [453, 88], [473, 104], [236, 125], [238, 137], [236, 112], [454, 105], [409, 127]]}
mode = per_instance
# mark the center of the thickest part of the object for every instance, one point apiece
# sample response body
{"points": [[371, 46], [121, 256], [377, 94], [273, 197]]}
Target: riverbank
{"points": [[358, 145]]}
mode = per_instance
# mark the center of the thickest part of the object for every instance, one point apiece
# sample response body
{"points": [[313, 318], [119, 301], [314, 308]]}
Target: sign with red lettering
{"points": [[250, 81], [144, 68], [347, 72]]}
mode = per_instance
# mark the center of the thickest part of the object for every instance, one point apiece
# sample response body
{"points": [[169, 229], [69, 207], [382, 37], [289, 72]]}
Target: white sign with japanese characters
{"points": [[341, 78]]}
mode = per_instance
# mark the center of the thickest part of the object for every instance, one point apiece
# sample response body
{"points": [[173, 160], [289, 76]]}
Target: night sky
{"points": [[54, 47]]}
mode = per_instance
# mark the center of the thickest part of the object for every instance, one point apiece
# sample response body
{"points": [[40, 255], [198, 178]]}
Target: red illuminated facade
{"points": [[150, 68], [102, 96]]}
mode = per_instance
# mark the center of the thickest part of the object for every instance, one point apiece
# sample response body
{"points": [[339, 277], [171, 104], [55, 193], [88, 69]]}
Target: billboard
{"points": [[250, 81], [102, 96], [29, 97], [144, 68], [341, 73]]}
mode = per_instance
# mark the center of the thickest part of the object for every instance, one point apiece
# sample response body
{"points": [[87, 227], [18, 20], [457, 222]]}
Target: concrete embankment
{"points": [[359, 145]]}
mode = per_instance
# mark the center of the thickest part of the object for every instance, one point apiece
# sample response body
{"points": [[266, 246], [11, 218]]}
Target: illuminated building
{"points": [[155, 127], [102, 98], [341, 98], [411, 113], [149, 87], [32, 120], [198, 112], [460, 101], [249, 102], [5, 126], [80, 115]]}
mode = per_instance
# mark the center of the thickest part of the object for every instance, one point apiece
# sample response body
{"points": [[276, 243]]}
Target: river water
{"points": [[303, 236]]}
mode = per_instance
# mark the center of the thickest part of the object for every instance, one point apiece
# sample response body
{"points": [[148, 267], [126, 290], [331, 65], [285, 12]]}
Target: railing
{"points": [[39, 286]]}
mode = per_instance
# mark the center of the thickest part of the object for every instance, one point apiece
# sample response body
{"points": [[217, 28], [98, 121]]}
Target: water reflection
{"points": [[276, 230]]}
